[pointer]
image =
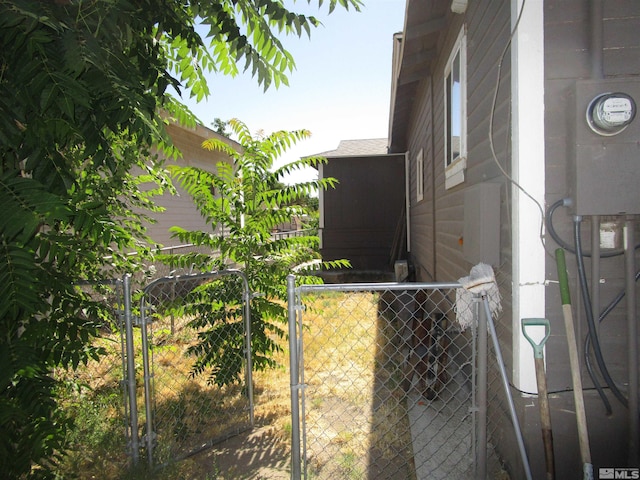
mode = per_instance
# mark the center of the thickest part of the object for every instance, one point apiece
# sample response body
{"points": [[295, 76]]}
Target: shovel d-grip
{"points": [[538, 348]]}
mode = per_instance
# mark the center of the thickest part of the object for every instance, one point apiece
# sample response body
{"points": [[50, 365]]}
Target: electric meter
{"points": [[609, 113]]}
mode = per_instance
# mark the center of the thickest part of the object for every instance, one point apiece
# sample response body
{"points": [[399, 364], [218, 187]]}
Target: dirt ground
{"points": [[259, 454]]}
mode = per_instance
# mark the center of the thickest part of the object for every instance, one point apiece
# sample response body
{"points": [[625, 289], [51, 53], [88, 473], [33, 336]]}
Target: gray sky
{"points": [[339, 91]]}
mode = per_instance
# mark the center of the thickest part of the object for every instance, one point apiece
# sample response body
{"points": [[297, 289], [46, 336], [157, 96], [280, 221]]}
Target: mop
{"points": [[481, 282]]}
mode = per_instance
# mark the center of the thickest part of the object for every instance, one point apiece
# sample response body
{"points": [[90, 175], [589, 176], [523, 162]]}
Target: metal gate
{"points": [[382, 381], [196, 352]]}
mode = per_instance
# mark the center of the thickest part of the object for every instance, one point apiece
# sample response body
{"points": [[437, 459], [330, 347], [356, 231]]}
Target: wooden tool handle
{"points": [[545, 418]]}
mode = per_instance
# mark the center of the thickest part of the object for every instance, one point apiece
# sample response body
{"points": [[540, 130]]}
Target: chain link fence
{"points": [[195, 333], [382, 383]]}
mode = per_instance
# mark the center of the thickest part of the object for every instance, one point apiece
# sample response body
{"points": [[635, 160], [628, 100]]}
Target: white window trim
{"points": [[420, 176], [454, 173]]}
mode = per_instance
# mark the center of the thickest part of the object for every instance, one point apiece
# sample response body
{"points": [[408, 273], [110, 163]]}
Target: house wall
{"points": [[571, 57], [437, 223], [440, 256], [179, 208], [422, 212], [364, 211]]}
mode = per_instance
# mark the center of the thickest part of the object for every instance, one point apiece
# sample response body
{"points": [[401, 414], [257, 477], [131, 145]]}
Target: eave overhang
{"points": [[414, 54]]}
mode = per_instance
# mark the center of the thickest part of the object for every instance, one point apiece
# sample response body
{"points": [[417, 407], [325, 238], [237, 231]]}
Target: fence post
{"points": [[249, 354], [295, 381], [149, 436], [481, 389], [131, 369]]}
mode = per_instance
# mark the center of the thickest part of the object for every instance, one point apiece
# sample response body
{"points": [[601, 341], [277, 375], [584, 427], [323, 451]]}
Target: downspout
{"points": [[597, 73], [320, 206], [407, 199], [632, 339], [433, 182]]}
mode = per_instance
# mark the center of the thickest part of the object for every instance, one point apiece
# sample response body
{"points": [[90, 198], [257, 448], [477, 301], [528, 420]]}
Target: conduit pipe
{"points": [[595, 268], [586, 298], [597, 72], [632, 339], [567, 202]]}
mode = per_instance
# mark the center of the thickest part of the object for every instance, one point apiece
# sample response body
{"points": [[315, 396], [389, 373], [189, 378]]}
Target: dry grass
{"points": [[187, 410], [355, 416]]}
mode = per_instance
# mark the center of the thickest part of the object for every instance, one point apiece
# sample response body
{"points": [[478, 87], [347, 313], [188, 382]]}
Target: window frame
{"points": [[455, 166]]}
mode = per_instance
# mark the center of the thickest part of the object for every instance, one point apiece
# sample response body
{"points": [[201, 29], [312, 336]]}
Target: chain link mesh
{"points": [[198, 376], [388, 379], [388, 384]]}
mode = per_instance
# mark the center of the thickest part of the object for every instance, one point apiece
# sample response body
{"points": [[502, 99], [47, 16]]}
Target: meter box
{"points": [[481, 228], [604, 166]]}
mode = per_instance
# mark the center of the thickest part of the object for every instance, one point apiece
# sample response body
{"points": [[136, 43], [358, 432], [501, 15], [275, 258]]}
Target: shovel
{"points": [[541, 380]]}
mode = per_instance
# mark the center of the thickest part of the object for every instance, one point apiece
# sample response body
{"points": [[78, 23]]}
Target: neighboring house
{"points": [[361, 219], [490, 105], [179, 209]]}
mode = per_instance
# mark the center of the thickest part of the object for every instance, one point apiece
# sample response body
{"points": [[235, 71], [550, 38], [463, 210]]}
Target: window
{"points": [[419, 176], [455, 101]]}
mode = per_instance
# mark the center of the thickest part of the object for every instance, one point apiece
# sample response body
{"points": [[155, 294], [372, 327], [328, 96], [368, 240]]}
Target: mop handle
{"points": [[505, 382]]}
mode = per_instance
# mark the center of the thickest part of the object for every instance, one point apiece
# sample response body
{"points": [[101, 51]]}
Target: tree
{"points": [[246, 200], [220, 127], [82, 84]]}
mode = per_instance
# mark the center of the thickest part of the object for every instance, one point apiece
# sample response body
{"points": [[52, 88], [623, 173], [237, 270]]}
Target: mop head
{"points": [[480, 282]]}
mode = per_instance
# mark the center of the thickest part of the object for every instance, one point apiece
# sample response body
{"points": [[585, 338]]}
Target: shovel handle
{"points": [[543, 399], [538, 351], [563, 279], [545, 418]]}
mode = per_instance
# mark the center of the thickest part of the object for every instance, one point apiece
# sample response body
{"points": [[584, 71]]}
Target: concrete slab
{"points": [[441, 432]]}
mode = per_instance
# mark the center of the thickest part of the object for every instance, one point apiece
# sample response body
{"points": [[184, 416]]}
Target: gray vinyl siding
{"points": [[422, 213], [440, 255], [488, 32], [438, 221]]}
